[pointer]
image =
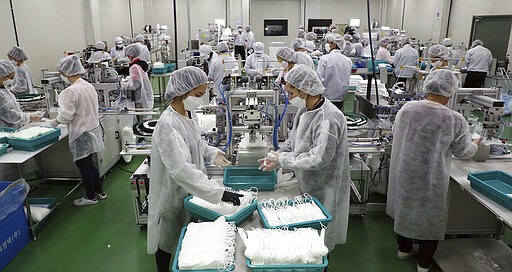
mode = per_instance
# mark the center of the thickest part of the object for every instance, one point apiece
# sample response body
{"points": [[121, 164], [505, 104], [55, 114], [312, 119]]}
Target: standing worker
{"points": [[258, 62], [239, 43], [334, 70], [383, 52], [455, 54], [178, 156], [405, 56], [317, 150], [138, 80], [22, 83], [144, 50], [206, 52], [287, 58], [249, 39], [11, 114], [439, 56], [117, 51], [478, 62], [222, 66], [425, 136], [99, 55], [78, 109]]}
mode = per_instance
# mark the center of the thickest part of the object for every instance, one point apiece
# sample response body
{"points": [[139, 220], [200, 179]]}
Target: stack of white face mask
{"points": [[208, 245], [226, 208], [285, 211], [277, 246], [30, 133]]}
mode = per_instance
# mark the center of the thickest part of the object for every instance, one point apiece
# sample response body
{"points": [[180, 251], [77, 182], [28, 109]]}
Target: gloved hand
{"points": [[270, 162], [220, 160], [52, 122], [231, 197], [35, 117]]}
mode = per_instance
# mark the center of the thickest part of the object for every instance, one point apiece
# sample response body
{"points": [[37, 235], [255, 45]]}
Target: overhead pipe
{"points": [[14, 24]]}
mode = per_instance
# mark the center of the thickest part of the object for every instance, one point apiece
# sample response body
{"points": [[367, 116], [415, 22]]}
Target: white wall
{"points": [[268, 9], [115, 20]]}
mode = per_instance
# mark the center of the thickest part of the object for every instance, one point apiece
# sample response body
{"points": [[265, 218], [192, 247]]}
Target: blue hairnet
{"points": [[298, 43], [384, 41], [222, 47], [441, 82], [205, 50], [6, 68], [17, 54], [305, 79], [440, 51], [310, 36], [476, 43], [447, 42], [70, 66], [183, 80], [258, 47], [139, 38], [286, 54], [132, 50]]}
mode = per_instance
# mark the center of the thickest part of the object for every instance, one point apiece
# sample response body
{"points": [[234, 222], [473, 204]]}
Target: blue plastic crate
{"points": [[244, 178], [5, 129], [3, 148], [496, 185], [316, 224], [208, 215], [289, 267], [36, 143], [175, 267], [14, 234]]}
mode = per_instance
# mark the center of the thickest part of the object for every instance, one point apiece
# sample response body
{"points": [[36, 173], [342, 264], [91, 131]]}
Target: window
{"points": [[275, 27]]}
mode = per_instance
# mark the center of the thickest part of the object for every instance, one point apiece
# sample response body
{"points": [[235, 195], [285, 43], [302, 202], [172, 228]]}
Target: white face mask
{"points": [[257, 54], [298, 102], [284, 64], [65, 79], [437, 64], [327, 47], [192, 102]]}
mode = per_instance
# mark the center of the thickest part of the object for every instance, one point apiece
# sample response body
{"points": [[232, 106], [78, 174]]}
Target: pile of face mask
{"points": [[208, 245], [285, 211], [30, 133], [226, 208], [4, 134], [277, 246]]}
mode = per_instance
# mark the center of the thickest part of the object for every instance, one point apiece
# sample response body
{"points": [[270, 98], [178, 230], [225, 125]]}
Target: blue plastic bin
{"points": [[244, 178], [288, 267], [3, 148], [5, 129], [36, 143], [208, 215], [14, 234], [316, 224], [175, 267], [496, 185]]}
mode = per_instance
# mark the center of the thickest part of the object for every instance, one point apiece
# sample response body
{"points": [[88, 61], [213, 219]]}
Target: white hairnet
{"points": [[347, 37], [248, 28], [17, 54], [301, 33], [405, 40], [205, 50], [139, 38], [286, 54], [441, 82], [365, 42], [447, 42], [132, 50], [440, 51], [258, 47], [222, 47], [70, 66], [335, 38], [183, 80], [384, 41], [298, 43], [310, 36], [476, 43], [310, 46], [6, 68], [333, 26], [305, 79], [100, 45], [119, 40]]}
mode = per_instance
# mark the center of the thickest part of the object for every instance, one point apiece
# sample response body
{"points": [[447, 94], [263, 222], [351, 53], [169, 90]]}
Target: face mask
{"points": [[13, 62], [8, 83], [284, 64], [65, 79], [437, 64], [327, 48], [119, 46], [192, 102], [298, 102]]}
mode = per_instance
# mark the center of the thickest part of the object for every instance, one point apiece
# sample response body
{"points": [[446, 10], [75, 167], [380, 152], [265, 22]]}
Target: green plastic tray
{"points": [[244, 178]]}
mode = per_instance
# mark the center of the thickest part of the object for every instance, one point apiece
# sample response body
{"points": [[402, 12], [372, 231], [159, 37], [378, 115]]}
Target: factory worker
{"points": [[367, 51], [117, 51], [138, 81], [99, 55], [22, 82], [383, 52], [455, 54], [11, 114], [298, 45], [478, 63], [334, 70], [222, 66], [358, 49], [317, 150], [206, 52], [145, 55], [287, 58], [310, 47], [439, 56], [178, 158], [301, 33], [405, 56], [333, 29], [257, 63], [249, 39], [310, 36], [425, 136], [78, 110], [239, 43]]}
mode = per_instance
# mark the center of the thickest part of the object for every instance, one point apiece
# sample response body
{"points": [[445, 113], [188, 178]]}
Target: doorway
{"points": [[494, 32]]}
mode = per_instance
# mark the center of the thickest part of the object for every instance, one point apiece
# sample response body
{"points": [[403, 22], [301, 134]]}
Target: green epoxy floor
{"points": [[78, 239]]}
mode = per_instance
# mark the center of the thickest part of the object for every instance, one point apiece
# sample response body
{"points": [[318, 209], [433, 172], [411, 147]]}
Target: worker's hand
{"points": [[270, 162], [220, 160], [52, 122], [35, 117], [231, 197]]}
